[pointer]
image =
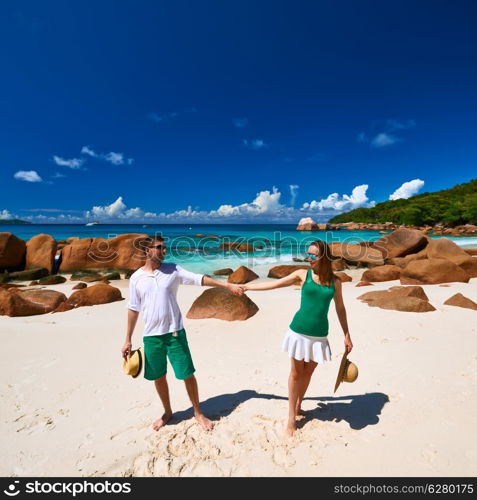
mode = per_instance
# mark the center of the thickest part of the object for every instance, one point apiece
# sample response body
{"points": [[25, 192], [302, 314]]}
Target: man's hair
{"points": [[149, 242]]}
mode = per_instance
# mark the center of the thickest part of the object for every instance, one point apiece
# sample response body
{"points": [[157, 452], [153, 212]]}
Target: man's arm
{"points": [[208, 281], [132, 320]]}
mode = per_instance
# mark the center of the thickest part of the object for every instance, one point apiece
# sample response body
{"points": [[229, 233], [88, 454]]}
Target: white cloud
{"points": [[57, 176], [5, 214], [383, 139], [393, 125], [74, 163], [111, 157], [164, 117], [114, 158], [386, 137], [344, 203], [114, 210], [240, 122], [28, 176], [255, 144], [293, 193], [86, 150], [264, 203], [407, 189]]}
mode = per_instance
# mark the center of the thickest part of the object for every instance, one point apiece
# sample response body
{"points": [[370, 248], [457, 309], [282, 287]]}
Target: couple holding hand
{"points": [[153, 289]]}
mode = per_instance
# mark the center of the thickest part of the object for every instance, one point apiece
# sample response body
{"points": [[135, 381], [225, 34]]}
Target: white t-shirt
{"points": [[155, 295]]}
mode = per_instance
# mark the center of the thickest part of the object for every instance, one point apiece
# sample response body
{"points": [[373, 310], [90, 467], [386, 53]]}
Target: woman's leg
{"points": [[308, 369], [295, 381]]}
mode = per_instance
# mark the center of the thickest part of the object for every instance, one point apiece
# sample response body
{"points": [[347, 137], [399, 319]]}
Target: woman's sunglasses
{"points": [[311, 256]]}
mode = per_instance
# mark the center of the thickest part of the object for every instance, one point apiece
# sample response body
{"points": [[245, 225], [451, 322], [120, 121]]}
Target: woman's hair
{"points": [[325, 270]]}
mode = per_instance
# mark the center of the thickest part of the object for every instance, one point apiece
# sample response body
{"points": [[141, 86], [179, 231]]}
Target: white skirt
{"points": [[306, 347]]}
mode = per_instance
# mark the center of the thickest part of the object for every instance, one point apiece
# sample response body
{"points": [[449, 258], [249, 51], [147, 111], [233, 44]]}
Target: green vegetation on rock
{"points": [[451, 207]]}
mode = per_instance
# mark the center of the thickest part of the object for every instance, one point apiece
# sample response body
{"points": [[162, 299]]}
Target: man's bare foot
{"points": [[161, 422], [204, 422], [291, 428]]}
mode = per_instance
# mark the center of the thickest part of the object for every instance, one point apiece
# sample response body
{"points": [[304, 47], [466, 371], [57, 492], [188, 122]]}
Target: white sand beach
{"points": [[68, 409]]}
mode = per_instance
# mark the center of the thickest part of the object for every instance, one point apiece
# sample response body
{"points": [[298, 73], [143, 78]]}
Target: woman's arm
{"points": [[341, 312], [294, 278], [235, 289]]}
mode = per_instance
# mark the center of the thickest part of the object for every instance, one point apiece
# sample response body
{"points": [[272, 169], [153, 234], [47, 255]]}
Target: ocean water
{"points": [[281, 242]]}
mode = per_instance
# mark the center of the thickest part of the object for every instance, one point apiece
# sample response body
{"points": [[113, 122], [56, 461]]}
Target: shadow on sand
{"points": [[358, 410]]}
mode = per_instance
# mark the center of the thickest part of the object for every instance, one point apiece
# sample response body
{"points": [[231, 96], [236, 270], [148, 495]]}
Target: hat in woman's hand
{"points": [[348, 371], [132, 365]]}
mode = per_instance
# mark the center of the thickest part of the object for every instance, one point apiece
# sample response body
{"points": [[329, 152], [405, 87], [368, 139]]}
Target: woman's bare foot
{"points": [[299, 412], [161, 422], [291, 427], [204, 422]]}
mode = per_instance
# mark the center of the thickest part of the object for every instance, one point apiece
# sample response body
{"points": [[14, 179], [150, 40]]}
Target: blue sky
{"points": [[222, 111]]}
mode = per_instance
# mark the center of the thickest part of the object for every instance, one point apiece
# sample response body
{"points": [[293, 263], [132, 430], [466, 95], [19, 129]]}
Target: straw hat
{"points": [[132, 365], [348, 371]]}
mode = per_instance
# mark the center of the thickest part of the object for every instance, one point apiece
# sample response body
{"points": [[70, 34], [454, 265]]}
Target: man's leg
{"points": [[162, 389], [308, 370], [193, 392], [155, 368], [181, 361]]}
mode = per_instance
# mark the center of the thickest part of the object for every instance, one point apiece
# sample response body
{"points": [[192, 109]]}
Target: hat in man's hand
{"points": [[132, 365], [348, 371]]}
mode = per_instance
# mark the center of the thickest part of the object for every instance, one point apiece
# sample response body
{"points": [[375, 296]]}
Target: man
{"points": [[152, 290]]}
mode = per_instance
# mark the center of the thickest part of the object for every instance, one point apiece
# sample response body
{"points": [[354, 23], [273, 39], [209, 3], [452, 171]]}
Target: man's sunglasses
{"points": [[157, 247]]}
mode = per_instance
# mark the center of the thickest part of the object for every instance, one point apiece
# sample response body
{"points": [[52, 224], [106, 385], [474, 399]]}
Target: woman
{"points": [[306, 339]]}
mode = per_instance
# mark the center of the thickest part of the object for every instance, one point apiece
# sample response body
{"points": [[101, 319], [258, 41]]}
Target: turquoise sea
{"points": [[281, 242]]}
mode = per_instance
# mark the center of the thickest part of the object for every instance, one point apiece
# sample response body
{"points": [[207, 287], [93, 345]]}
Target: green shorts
{"points": [[157, 348]]}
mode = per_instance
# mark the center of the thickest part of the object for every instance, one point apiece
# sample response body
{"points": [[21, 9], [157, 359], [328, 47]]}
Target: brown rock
{"points": [[10, 285], [382, 273], [432, 271], [400, 243], [470, 251], [355, 253], [40, 252], [52, 280], [407, 299], [460, 300], [395, 291], [101, 293], [242, 275], [364, 283], [443, 248], [282, 271], [79, 286], [220, 303], [343, 277], [63, 307], [28, 275], [12, 251], [121, 252], [241, 247], [223, 272], [307, 224], [14, 302], [90, 279], [405, 304], [33, 283]]}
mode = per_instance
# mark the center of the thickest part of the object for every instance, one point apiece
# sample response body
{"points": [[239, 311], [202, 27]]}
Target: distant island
{"points": [[450, 207], [14, 221]]}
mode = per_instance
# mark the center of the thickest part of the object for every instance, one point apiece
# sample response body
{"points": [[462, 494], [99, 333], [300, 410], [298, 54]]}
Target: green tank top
{"points": [[312, 317]]}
